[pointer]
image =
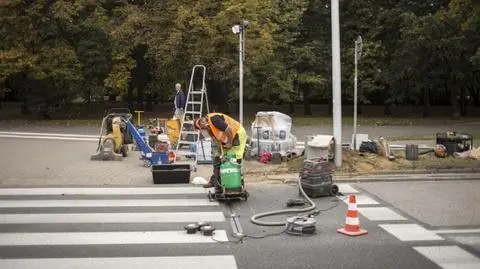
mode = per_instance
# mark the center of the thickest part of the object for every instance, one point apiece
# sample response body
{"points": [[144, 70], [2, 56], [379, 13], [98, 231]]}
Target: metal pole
{"points": [[336, 80], [241, 76], [355, 101]]}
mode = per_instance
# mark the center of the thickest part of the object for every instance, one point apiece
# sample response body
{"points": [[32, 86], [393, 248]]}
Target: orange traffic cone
{"points": [[352, 223]]}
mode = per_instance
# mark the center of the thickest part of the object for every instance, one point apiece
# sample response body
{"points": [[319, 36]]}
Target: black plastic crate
{"points": [[171, 173]]}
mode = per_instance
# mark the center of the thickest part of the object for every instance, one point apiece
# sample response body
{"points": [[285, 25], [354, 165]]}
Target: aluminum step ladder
{"points": [[188, 141]]}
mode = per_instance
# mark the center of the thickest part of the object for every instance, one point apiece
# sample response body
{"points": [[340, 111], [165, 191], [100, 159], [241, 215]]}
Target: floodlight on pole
{"points": [[239, 30]]}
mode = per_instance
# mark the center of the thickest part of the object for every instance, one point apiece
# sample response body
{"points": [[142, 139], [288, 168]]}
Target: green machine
{"points": [[232, 185]]}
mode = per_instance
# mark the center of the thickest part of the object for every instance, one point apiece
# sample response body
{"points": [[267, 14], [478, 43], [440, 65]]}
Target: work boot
{"points": [[213, 180]]}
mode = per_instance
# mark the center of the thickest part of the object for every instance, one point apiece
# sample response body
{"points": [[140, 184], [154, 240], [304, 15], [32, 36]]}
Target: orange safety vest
{"points": [[220, 135]]}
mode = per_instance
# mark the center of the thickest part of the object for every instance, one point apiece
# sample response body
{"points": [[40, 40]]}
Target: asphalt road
{"points": [[448, 207], [410, 225]]}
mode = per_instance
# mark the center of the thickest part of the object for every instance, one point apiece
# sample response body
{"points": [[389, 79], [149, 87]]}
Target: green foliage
{"points": [[414, 52]]}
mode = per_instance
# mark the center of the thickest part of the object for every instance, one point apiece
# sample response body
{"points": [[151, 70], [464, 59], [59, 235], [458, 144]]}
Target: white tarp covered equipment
{"points": [[271, 130], [319, 146]]}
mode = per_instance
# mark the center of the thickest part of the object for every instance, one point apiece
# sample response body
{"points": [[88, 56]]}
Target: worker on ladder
{"points": [[229, 136]]}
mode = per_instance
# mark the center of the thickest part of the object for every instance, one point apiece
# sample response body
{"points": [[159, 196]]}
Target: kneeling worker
{"points": [[226, 133]]}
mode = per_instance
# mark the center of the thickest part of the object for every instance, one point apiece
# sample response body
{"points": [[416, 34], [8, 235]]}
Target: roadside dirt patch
{"points": [[355, 163]]}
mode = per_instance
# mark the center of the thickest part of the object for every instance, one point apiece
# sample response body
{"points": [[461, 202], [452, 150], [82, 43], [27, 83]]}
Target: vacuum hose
{"points": [[254, 218]]}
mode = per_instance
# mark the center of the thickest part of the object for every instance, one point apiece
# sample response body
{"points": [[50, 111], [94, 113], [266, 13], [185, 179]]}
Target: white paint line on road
{"points": [[48, 134], [49, 138], [449, 257], [362, 200], [172, 262], [456, 231], [150, 217], [102, 191], [109, 238], [105, 203], [346, 188], [380, 213], [410, 232]]}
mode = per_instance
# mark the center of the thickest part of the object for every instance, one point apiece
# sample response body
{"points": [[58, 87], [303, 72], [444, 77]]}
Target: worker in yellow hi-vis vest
{"points": [[228, 134]]}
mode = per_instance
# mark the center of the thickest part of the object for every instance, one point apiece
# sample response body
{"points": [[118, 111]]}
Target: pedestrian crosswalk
{"points": [[438, 252], [110, 227]]}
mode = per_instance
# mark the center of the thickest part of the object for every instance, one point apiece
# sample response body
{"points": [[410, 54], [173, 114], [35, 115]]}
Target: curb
{"points": [[413, 178], [398, 178], [408, 176], [416, 172]]}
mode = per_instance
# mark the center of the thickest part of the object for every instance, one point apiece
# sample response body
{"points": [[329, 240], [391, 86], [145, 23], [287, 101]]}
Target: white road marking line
{"points": [[380, 213], [346, 188], [50, 138], [149, 217], [172, 262], [410, 232], [48, 134], [109, 238], [363, 200], [106, 203], [450, 257], [101, 191], [456, 231]]}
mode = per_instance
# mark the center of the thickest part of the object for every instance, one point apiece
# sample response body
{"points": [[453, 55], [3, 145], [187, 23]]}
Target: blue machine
{"points": [[147, 154]]}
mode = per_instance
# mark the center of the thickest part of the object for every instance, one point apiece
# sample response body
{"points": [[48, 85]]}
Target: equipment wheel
{"points": [[147, 163], [334, 190], [124, 150]]}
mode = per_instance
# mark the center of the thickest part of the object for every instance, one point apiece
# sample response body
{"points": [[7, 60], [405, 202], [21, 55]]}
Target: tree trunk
{"points": [[463, 103], [454, 101], [426, 102], [291, 108], [224, 97], [149, 102], [130, 97], [475, 93], [140, 98], [307, 92], [330, 108], [291, 105]]}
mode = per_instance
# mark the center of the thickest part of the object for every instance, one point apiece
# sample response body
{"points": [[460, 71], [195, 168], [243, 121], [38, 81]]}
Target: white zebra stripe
{"points": [[48, 134], [50, 138], [175, 262], [149, 217], [109, 238], [106, 203], [102, 191]]}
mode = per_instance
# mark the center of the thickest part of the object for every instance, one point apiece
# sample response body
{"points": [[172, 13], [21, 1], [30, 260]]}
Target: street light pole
{"points": [[240, 64], [336, 81], [358, 53], [240, 30]]}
